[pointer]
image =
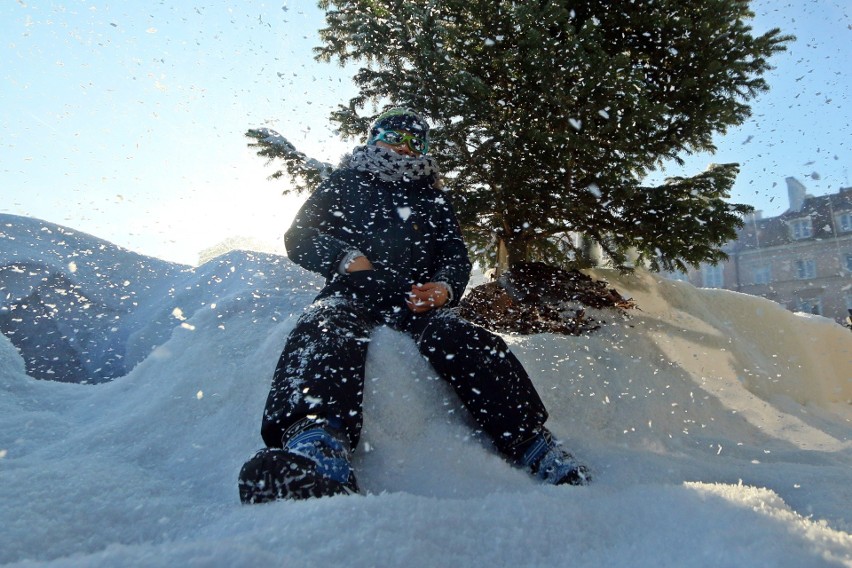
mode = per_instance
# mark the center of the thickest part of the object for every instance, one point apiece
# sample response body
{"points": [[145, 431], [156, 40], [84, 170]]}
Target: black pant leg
{"points": [[490, 381], [320, 372]]}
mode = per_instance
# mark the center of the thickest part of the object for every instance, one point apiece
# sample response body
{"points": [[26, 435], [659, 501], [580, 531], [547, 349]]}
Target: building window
{"points": [[809, 306], [844, 221], [805, 268], [763, 275], [801, 228], [712, 276], [849, 262]]}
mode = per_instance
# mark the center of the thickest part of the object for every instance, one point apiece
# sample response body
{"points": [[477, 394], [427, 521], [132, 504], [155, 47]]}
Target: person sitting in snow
{"points": [[385, 237]]}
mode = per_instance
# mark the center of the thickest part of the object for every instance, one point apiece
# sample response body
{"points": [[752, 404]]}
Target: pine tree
{"points": [[549, 114]]}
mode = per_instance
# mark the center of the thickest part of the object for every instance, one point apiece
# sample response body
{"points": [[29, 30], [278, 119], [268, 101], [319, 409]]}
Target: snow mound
{"points": [[82, 310], [715, 424]]}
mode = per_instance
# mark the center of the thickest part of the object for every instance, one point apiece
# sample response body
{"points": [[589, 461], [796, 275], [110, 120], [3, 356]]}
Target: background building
{"points": [[801, 259]]}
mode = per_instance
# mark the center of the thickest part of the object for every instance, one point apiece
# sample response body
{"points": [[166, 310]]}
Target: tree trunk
{"points": [[511, 252], [591, 251]]}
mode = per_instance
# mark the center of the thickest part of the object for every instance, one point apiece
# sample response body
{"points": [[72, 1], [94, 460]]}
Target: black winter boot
{"points": [[546, 460], [315, 462]]}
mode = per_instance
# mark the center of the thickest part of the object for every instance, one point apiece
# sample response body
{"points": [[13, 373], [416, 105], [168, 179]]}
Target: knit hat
{"points": [[399, 119]]}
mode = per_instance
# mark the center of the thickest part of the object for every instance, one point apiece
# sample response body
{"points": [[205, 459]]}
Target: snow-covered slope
{"points": [[70, 302], [83, 310], [718, 426]]}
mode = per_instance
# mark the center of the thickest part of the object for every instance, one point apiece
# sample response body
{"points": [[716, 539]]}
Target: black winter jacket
{"points": [[407, 229]]}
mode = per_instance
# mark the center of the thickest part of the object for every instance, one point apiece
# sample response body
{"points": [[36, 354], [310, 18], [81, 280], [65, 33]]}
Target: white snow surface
{"points": [[717, 426]]}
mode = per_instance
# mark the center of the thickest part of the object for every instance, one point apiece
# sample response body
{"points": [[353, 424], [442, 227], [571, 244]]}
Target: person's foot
{"points": [[314, 462], [274, 473], [546, 460]]}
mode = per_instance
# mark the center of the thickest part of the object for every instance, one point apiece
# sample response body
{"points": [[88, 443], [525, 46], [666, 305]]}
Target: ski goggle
{"points": [[397, 138]]}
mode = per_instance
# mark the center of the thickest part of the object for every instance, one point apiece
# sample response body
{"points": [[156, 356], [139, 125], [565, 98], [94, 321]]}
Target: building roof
{"points": [[776, 231]]}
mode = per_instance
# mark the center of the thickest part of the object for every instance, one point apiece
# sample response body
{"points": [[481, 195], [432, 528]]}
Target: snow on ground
{"points": [[718, 427]]}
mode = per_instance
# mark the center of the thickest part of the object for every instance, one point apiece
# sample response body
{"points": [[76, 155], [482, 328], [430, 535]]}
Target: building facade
{"points": [[801, 259]]}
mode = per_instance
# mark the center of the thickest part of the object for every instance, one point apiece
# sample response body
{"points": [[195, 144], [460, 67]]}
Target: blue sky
{"points": [[126, 120], [801, 127]]}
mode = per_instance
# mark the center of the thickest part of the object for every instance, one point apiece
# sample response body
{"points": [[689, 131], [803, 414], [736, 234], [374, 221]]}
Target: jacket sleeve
{"points": [[452, 261], [309, 241]]}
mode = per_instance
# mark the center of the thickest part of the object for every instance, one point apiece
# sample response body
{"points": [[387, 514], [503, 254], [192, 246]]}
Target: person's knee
{"points": [[456, 333], [334, 315]]}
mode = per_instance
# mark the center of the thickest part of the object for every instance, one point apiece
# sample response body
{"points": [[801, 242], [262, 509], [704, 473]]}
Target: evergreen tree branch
{"points": [[305, 173]]}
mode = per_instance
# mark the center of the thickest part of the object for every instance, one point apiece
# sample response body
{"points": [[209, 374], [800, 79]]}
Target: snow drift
{"points": [[717, 425]]}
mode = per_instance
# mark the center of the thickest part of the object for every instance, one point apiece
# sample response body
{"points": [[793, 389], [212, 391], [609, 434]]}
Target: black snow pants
{"points": [[320, 375]]}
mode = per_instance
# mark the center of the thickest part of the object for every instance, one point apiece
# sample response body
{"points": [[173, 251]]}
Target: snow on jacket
{"points": [[407, 229]]}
